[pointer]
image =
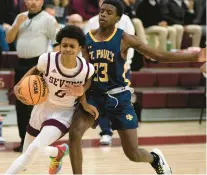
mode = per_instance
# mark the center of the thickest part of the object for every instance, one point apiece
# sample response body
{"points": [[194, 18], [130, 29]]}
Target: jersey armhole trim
{"points": [[48, 65], [87, 71]]}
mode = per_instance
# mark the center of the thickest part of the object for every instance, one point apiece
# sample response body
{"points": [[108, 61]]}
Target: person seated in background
{"points": [[76, 20], [155, 23], [179, 14], [200, 17]]}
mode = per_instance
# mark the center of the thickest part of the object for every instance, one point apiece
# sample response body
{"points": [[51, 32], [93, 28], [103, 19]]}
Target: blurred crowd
{"points": [[164, 24]]}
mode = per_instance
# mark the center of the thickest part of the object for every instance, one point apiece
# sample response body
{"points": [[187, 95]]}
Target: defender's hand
{"points": [[91, 109]]}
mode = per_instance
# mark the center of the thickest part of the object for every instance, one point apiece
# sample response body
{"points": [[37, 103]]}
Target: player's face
{"points": [[34, 6], [108, 16], [70, 47]]}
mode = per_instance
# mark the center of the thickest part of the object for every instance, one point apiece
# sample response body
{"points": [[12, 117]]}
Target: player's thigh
{"points": [[48, 135], [80, 123], [129, 139]]}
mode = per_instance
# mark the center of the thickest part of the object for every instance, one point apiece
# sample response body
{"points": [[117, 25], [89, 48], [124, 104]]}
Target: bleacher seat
{"points": [[167, 79]]}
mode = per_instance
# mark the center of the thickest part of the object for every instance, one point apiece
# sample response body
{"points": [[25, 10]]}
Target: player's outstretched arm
{"points": [[161, 56], [203, 68]]}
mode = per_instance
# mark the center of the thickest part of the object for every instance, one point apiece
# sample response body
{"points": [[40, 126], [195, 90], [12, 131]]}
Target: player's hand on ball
{"points": [[18, 94], [91, 109]]}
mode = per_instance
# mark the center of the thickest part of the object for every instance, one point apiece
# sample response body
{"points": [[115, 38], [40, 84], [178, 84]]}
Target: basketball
{"points": [[34, 89]]}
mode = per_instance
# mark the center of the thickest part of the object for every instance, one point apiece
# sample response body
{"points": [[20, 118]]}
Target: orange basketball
{"points": [[34, 89]]}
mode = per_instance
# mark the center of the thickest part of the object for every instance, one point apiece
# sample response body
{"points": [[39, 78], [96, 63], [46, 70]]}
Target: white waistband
{"points": [[120, 89]]}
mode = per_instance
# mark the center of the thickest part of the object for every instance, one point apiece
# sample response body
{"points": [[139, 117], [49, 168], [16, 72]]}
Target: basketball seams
{"points": [[40, 88], [30, 90]]}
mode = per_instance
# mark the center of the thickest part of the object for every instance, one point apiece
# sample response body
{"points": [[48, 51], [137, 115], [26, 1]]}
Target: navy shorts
{"points": [[117, 108]]}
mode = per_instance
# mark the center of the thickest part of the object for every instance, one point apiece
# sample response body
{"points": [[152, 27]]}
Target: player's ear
{"points": [[118, 19]]}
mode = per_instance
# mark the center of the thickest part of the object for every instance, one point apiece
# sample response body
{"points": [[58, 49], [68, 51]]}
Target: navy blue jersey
{"points": [[106, 58]]}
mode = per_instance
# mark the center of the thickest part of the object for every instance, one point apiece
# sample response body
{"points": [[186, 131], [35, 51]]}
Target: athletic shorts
{"points": [[47, 114], [117, 108]]}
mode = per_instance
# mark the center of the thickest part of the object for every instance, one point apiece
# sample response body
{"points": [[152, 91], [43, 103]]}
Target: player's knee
{"points": [[75, 135], [32, 149]]}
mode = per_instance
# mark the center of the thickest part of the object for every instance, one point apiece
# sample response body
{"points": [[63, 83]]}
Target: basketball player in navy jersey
{"points": [[110, 94], [67, 77]]}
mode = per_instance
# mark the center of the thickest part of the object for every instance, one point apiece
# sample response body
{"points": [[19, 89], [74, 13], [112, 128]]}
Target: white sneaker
{"points": [[162, 167], [2, 140], [106, 140]]}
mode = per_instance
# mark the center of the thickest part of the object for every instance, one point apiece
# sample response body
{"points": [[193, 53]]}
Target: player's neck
{"points": [[68, 64], [106, 32]]}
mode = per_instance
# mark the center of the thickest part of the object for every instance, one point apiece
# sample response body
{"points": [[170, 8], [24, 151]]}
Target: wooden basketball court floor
{"points": [[186, 154]]}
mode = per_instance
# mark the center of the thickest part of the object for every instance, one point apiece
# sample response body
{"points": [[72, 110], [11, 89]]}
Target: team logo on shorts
{"points": [[129, 117]]}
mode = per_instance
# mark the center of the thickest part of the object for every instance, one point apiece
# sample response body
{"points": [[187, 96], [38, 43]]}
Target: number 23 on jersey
{"points": [[101, 70]]}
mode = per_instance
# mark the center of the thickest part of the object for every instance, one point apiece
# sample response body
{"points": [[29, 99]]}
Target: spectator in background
{"points": [[129, 8], [53, 44], [3, 44], [86, 8], [8, 11], [200, 15], [51, 10], [76, 20], [37, 27], [179, 14], [125, 24], [155, 23], [61, 10]]}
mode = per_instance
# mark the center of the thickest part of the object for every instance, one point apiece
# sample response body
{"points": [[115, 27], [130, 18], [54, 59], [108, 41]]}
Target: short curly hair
{"points": [[118, 4], [71, 31]]}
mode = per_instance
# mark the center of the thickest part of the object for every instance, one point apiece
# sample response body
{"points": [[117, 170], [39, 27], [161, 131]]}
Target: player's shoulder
{"points": [[44, 55], [85, 61], [93, 31], [48, 55], [53, 54]]}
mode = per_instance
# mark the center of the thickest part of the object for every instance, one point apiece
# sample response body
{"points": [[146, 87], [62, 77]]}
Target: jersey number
{"points": [[60, 93], [101, 70]]}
